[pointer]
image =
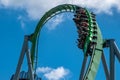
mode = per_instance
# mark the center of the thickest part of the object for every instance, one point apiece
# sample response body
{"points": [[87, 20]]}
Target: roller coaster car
{"points": [[76, 20], [79, 31], [85, 24], [79, 28], [90, 48], [78, 15], [82, 33], [77, 25], [82, 25], [82, 11], [84, 20], [83, 16], [81, 39], [81, 44], [85, 29], [80, 19]]}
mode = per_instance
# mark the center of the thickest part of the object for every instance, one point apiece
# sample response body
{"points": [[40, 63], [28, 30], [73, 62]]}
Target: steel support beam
{"points": [[112, 61], [105, 67], [30, 69], [114, 51], [21, 58], [83, 67]]}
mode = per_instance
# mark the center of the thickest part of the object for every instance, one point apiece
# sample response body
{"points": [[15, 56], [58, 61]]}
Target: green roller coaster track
{"points": [[97, 51], [90, 41]]}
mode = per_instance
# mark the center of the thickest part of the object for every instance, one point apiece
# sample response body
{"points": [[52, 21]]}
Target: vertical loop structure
{"points": [[90, 38]]}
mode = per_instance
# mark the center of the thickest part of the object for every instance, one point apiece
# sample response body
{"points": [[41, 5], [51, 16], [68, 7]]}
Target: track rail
{"points": [[89, 49]]}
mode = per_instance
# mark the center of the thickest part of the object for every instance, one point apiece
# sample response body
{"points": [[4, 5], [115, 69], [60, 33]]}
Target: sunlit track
{"points": [[90, 41], [88, 31]]}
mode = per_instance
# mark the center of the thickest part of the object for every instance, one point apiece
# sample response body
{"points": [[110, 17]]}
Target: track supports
{"points": [[114, 51], [105, 67], [83, 67], [21, 58]]}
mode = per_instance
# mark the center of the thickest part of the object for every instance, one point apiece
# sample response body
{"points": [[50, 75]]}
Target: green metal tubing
{"points": [[96, 56], [48, 15]]}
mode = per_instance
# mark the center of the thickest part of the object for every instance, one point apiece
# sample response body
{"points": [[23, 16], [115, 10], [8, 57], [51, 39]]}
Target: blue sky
{"points": [[57, 43]]}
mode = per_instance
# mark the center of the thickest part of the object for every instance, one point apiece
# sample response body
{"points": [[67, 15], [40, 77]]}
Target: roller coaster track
{"points": [[93, 42], [89, 41]]}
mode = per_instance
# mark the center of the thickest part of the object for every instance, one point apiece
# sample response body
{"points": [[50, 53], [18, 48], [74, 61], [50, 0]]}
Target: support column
{"points": [[112, 61], [30, 69], [16, 76], [105, 67], [83, 67], [117, 52], [21, 58]]}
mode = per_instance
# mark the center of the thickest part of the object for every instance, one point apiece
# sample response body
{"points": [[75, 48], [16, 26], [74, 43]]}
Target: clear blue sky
{"points": [[56, 47]]}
